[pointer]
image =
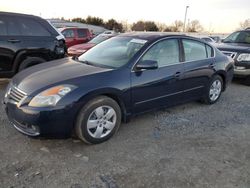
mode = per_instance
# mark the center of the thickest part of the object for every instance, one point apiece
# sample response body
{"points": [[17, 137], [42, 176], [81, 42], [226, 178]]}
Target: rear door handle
{"points": [[13, 40], [177, 74], [212, 65]]}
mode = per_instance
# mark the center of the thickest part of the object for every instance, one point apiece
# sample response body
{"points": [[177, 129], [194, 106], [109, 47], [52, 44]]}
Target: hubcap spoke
{"points": [[110, 113], [109, 125], [92, 124], [98, 132], [99, 112]]}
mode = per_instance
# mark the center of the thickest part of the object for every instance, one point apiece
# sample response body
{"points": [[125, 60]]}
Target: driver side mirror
{"points": [[147, 65]]}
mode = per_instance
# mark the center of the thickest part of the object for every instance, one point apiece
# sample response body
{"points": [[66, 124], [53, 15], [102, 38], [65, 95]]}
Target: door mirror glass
{"points": [[147, 65]]}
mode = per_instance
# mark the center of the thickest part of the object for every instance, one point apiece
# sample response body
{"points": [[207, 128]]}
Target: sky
{"points": [[219, 16]]}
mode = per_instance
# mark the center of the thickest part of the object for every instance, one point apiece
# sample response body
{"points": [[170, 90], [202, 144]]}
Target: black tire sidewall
{"points": [[214, 78], [81, 124]]}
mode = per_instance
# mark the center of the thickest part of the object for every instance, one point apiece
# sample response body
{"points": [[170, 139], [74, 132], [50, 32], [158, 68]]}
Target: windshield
{"points": [[114, 52], [99, 39], [238, 37]]}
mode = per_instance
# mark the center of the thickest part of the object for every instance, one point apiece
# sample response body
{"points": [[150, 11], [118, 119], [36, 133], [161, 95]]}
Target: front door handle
{"points": [[13, 40]]}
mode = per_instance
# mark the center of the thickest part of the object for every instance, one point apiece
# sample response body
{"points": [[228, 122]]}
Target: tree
{"points": [[194, 26], [79, 20], [112, 24], [138, 26], [245, 24], [94, 21], [144, 26], [151, 26], [177, 26]]}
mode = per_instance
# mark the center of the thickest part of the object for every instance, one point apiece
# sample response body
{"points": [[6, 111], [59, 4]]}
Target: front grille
{"points": [[230, 54], [16, 95]]}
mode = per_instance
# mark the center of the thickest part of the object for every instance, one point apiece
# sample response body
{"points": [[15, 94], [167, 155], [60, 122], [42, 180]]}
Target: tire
{"points": [[247, 81], [214, 90], [30, 61], [93, 126]]}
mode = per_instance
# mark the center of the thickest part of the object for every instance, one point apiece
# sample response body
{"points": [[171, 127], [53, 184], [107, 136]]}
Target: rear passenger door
{"points": [[198, 67], [82, 36], [7, 48]]}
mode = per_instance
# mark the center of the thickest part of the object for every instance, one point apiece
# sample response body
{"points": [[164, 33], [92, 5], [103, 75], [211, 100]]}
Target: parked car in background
{"points": [[217, 39], [27, 40], [237, 46], [121, 77], [208, 39], [79, 49], [75, 35]]}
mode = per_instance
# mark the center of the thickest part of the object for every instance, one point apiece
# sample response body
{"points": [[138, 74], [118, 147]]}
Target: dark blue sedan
{"points": [[119, 78]]}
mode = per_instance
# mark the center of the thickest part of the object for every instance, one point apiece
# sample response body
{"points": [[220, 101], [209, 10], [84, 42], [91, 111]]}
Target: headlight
{"points": [[243, 57], [50, 97]]}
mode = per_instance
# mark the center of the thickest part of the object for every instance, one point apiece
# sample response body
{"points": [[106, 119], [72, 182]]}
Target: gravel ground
{"points": [[191, 145]]}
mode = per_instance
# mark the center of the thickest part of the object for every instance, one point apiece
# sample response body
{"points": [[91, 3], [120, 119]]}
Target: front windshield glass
{"points": [[238, 37], [114, 52], [98, 39]]}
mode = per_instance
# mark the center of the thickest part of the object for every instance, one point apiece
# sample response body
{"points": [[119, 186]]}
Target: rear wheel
{"points": [[98, 120], [30, 61], [214, 90]]}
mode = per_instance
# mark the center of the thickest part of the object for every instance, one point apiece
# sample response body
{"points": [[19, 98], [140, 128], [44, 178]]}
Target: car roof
{"points": [[151, 36], [17, 14]]}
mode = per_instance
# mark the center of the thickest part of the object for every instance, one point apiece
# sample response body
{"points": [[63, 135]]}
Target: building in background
{"points": [[96, 30]]}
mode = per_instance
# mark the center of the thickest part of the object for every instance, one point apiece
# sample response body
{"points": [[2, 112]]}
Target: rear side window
{"points": [[164, 52], [31, 27], [210, 52], [68, 33], [194, 50], [82, 33], [3, 26]]}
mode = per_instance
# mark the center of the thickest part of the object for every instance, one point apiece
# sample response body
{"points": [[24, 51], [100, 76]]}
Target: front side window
{"points": [[68, 33], [164, 52], [194, 50], [114, 52], [82, 33], [210, 52], [238, 37]]}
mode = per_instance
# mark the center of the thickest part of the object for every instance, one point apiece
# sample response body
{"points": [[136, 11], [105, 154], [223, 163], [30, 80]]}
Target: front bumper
{"points": [[56, 121], [241, 72]]}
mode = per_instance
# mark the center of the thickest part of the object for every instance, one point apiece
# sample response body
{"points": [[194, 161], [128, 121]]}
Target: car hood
{"points": [[51, 73], [85, 46], [234, 47]]}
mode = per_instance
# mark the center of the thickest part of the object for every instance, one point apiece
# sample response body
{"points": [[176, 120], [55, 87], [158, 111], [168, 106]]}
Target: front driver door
{"points": [[162, 86]]}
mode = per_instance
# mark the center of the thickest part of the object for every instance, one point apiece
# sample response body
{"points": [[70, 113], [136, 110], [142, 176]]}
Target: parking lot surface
{"points": [[191, 145]]}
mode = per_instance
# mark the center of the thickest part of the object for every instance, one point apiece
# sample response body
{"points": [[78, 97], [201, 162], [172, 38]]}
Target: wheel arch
{"points": [[24, 54], [112, 93], [222, 74]]}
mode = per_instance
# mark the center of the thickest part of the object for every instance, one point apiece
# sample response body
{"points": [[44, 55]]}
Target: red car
{"points": [[81, 48], [74, 35]]}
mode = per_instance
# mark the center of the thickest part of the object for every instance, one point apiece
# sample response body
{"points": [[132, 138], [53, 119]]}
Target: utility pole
{"points": [[184, 25]]}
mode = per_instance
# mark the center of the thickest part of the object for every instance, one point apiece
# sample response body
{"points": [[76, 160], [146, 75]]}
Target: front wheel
{"points": [[214, 90], [98, 120]]}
